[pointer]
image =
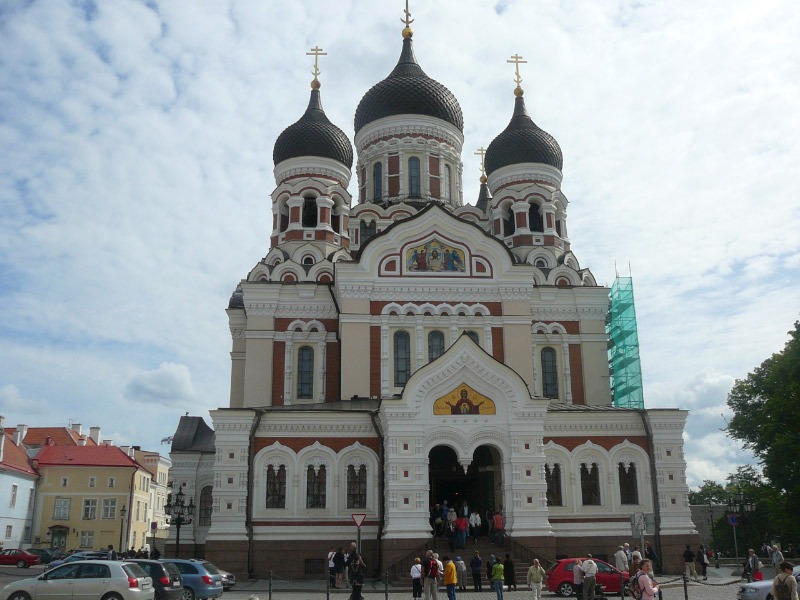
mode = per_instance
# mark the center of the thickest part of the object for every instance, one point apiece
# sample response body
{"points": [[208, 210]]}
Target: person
{"points": [[621, 559], [509, 575], [354, 560], [489, 565], [474, 525], [331, 567], [777, 557], [577, 578], [338, 567], [784, 586], [430, 571], [357, 577], [634, 568], [476, 566], [112, 554], [462, 525], [650, 553], [450, 578], [416, 578], [156, 553], [627, 547], [498, 528], [752, 567], [461, 572], [589, 568], [702, 560], [440, 565], [498, 578], [535, 578], [645, 579], [636, 553], [688, 557]]}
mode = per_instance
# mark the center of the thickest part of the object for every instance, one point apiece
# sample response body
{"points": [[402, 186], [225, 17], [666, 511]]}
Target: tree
{"points": [[766, 419], [709, 493]]}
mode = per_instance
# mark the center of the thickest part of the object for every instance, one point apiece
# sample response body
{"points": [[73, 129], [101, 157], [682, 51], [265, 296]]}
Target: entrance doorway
{"points": [[481, 486]]}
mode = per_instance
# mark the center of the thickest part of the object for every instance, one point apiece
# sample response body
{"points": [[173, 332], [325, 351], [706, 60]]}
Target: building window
{"points": [[14, 489], [204, 507], [590, 484], [473, 335], [305, 372], [435, 345], [64, 482], [9, 530], [377, 181], [553, 478], [276, 487], [534, 218], [30, 499], [366, 231], [357, 487], [549, 373], [92, 482], [87, 539], [413, 177], [89, 509], [309, 212], [26, 536], [448, 191], [402, 357], [509, 224], [109, 508], [112, 482], [315, 487], [61, 509], [628, 490]]}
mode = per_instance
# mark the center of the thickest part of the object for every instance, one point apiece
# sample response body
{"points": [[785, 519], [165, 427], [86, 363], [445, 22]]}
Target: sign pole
{"points": [[358, 519]]}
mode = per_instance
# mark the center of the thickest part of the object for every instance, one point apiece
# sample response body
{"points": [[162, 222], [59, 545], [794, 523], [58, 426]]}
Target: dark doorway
{"points": [[449, 482]]}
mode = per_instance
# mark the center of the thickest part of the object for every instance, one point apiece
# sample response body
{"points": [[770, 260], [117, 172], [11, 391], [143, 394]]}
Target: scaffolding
{"points": [[624, 365]]}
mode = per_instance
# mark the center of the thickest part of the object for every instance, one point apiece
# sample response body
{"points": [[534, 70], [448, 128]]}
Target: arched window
{"points": [[283, 217], [553, 479], [309, 212], [628, 490], [558, 227], [377, 181], [402, 357], [435, 345], [590, 484], [366, 231], [448, 190], [356, 487], [308, 260], [204, 507], [509, 223], [305, 372], [473, 335], [534, 218], [315, 487], [549, 373], [414, 189], [276, 487]]}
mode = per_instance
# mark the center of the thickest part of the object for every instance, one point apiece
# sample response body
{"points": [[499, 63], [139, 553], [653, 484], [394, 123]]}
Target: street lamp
{"points": [[179, 513], [122, 512], [713, 535], [739, 503]]}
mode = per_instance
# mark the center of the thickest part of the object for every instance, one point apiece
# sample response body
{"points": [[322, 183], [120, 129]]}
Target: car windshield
{"points": [[133, 570]]}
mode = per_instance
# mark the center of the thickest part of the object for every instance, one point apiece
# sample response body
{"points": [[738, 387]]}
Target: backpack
{"points": [[782, 591], [634, 589], [432, 568]]}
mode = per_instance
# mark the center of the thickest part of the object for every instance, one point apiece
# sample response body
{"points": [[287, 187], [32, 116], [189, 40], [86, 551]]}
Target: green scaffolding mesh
{"points": [[624, 365]]}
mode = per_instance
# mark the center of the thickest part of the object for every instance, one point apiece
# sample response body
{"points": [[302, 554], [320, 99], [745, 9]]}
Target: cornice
{"points": [[437, 293]]}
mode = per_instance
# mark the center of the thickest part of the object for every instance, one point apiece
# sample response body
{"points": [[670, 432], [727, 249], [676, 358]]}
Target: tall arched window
{"points": [[590, 484], [628, 490], [509, 223], [549, 373], [315, 487], [366, 231], [435, 345], [305, 372], [553, 479], [402, 357], [276, 487], [448, 179], [357, 487], [534, 218], [377, 181], [204, 507], [309, 212], [414, 182]]}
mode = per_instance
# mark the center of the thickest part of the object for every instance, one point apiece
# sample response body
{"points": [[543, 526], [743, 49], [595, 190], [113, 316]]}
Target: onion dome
{"points": [[522, 142], [313, 135], [408, 91]]}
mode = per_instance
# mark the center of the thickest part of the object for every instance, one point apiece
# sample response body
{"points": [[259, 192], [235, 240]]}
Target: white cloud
{"points": [[170, 384]]}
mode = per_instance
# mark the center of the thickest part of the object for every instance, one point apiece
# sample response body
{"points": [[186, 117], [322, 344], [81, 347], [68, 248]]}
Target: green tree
{"points": [[710, 492]]}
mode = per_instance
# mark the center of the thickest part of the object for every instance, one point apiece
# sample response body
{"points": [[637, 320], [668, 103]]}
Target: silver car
{"points": [[760, 590], [85, 580]]}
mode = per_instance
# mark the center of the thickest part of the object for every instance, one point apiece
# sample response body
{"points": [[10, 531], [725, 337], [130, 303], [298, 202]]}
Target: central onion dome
{"points": [[408, 91], [313, 135], [522, 142]]}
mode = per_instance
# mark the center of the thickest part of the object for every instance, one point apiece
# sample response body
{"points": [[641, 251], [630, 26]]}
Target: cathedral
{"points": [[404, 348]]}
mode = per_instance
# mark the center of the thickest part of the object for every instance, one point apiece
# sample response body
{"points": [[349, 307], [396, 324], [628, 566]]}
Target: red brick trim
{"points": [[604, 441], [278, 369], [334, 443]]}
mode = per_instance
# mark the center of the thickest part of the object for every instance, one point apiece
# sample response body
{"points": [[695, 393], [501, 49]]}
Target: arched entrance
{"points": [[481, 487]]}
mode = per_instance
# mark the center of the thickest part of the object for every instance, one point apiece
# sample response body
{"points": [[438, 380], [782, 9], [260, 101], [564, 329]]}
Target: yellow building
{"points": [[90, 497]]}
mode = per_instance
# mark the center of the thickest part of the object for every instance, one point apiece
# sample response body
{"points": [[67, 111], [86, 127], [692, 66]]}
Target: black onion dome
{"points": [[522, 142], [408, 91], [313, 135]]}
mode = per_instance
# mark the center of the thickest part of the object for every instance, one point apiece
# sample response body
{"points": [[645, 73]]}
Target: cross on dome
{"points": [[316, 52], [517, 60], [482, 153], [407, 32]]}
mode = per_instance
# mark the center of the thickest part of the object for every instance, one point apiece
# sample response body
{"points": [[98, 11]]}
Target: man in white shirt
{"points": [[621, 559], [589, 568]]}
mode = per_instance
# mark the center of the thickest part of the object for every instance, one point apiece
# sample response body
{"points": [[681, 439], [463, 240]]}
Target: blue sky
{"points": [[136, 168]]}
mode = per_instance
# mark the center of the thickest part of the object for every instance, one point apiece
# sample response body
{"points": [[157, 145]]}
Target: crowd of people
{"points": [[347, 570], [456, 524]]}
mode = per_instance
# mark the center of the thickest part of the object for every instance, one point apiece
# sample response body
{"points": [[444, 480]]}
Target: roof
{"points": [[85, 456], [14, 457], [61, 436], [193, 435]]}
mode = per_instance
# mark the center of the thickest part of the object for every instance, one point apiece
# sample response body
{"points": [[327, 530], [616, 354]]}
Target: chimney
{"points": [[20, 433], [81, 441], [131, 451], [94, 433], [76, 427]]}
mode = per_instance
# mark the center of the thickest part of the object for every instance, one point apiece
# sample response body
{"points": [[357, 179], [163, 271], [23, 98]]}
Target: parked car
{"points": [[200, 578], [45, 555], [559, 577], [761, 590], [166, 578], [100, 579], [87, 555], [228, 579], [16, 556]]}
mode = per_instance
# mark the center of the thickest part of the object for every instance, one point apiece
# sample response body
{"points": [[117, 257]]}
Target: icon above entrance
{"points": [[463, 400]]}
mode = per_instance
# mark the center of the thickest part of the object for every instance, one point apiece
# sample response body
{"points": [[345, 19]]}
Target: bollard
{"points": [[270, 585], [386, 586], [685, 587]]}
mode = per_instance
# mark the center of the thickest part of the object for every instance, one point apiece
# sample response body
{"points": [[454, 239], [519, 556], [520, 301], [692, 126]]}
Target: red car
{"points": [[15, 556], [559, 577]]}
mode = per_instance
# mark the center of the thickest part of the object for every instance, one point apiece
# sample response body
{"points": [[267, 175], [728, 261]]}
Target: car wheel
{"points": [[188, 594], [19, 596], [112, 597], [22, 564], [565, 589]]}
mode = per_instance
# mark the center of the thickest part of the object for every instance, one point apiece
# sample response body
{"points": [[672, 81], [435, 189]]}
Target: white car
{"points": [[760, 590], [85, 580]]}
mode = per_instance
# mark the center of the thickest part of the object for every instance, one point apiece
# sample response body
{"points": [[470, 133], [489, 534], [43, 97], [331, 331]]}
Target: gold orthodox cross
{"points": [[408, 20], [316, 52], [517, 59], [482, 153]]}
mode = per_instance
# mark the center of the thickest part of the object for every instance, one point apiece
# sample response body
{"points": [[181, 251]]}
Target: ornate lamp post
{"points": [[713, 535], [737, 505], [179, 513], [122, 512]]}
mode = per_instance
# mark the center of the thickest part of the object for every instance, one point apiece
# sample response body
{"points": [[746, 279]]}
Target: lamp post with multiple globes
{"points": [[179, 513], [122, 513]]}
